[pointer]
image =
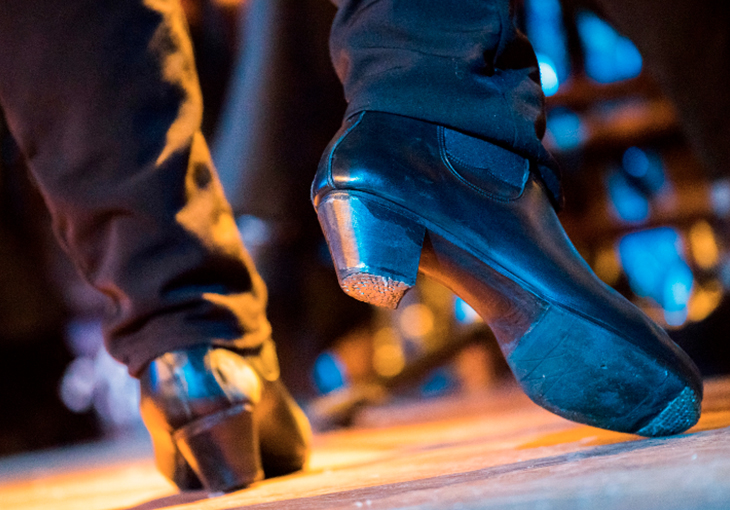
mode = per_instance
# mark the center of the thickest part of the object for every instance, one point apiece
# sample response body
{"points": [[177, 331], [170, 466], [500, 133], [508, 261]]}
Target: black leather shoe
{"points": [[393, 193], [221, 419]]}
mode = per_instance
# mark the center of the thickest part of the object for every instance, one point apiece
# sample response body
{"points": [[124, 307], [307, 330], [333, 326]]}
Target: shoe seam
{"points": [[330, 179], [445, 160], [466, 164]]}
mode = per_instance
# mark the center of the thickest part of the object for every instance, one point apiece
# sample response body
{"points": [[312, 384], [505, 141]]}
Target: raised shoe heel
{"points": [[375, 247], [222, 449]]}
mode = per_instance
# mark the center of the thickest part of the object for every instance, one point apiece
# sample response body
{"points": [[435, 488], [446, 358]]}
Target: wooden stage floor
{"points": [[491, 451]]}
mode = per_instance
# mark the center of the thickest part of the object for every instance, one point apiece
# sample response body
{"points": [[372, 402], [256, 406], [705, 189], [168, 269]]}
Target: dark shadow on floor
{"points": [[181, 498]]}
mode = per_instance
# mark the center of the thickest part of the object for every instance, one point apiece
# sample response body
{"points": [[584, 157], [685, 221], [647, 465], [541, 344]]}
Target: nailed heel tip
{"points": [[681, 414], [374, 289]]}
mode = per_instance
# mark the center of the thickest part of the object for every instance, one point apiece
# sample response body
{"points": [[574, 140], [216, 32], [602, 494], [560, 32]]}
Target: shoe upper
{"points": [[490, 202], [182, 386], [185, 385]]}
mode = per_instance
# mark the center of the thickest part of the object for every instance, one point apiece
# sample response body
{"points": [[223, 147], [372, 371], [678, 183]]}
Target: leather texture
{"points": [[499, 243], [181, 387], [403, 160]]}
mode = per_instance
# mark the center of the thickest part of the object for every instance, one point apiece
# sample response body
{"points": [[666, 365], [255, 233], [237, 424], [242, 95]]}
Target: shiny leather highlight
{"points": [[484, 165], [221, 419], [508, 256]]}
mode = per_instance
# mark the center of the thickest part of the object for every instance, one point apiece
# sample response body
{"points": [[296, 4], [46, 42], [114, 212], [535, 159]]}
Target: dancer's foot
{"points": [[221, 419], [393, 193]]}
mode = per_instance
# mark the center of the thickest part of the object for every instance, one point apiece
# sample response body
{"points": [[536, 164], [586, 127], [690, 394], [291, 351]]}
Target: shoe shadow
{"points": [[713, 417], [181, 498]]}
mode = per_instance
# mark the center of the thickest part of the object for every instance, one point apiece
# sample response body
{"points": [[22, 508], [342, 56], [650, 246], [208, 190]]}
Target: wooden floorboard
{"points": [[490, 451]]}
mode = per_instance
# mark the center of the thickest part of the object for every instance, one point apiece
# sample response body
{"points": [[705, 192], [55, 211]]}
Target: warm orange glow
{"points": [[388, 356], [703, 245], [704, 300], [607, 266], [416, 321], [478, 447], [229, 3]]}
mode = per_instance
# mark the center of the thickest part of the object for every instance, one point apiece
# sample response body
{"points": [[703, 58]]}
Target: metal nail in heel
{"points": [[375, 247], [223, 449]]}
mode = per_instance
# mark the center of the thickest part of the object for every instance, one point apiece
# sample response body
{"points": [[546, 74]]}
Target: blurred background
{"points": [[648, 206]]}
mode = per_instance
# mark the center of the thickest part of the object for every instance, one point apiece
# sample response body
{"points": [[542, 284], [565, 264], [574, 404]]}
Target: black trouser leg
{"points": [[103, 99], [458, 63]]}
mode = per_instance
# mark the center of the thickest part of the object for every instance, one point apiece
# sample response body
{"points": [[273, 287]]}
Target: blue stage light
{"points": [[646, 166], [720, 197], [677, 287], [636, 162], [329, 373], [548, 75], [544, 27], [609, 57], [654, 264], [629, 204], [464, 313], [439, 382], [566, 129]]}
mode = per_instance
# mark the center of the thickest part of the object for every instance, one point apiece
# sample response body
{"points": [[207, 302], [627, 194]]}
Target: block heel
{"points": [[222, 449], [375, 246]]}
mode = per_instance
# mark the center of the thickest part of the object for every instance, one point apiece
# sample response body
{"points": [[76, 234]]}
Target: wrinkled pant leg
{"points": [[686, 47], [103, 99], [458, 63]]}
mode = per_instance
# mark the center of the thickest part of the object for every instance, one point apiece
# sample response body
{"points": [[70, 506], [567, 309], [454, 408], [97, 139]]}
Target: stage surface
{"points": [[495, 450]]}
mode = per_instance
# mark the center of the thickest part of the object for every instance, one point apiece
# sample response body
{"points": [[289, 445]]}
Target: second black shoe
{"points": [[395, 195], [221, 419]]}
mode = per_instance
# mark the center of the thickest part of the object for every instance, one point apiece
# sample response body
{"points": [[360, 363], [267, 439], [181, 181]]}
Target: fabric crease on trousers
{"points": [[102, 98]]}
